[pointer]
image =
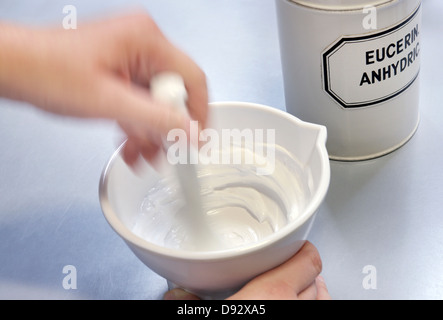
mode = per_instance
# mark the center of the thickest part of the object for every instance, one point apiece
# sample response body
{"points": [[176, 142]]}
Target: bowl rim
{"points": [[131, 238]]}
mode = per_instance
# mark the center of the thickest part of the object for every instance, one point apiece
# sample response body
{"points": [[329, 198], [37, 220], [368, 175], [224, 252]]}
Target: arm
{"points": [[101, 70]]}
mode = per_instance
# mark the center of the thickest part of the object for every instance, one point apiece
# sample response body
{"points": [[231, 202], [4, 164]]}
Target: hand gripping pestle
{"points": [[169, 88]]}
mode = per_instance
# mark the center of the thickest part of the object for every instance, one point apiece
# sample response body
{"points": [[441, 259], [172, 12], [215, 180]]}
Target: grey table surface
{"points": [[384, 214]]}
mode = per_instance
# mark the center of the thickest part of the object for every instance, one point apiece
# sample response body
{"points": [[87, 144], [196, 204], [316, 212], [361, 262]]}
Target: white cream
{"points": [[240, 207]]}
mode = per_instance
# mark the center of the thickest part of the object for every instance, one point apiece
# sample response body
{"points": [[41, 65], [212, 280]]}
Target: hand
{"points": [[297, 279], [102, 70]]}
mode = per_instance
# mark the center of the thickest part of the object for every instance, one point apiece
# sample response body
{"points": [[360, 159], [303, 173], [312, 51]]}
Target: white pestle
{"points": [[169, 88]]}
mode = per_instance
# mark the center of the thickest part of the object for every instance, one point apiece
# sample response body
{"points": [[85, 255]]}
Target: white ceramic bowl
{"points": [[216, 274]]}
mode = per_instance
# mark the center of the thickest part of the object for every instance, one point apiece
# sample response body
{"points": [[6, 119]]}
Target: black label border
{"points": [[345, 39]]}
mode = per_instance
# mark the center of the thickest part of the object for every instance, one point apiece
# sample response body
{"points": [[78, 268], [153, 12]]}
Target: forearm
{"points": [[18, 57], [47, 68]]}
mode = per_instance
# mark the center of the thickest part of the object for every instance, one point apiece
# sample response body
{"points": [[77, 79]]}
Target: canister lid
{"points": [[341, 4]]}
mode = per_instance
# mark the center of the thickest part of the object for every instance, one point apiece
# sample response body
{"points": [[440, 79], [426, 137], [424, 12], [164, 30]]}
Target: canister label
{"points": [[361, 71]]}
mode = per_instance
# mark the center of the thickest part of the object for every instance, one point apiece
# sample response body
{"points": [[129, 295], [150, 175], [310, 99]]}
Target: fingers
{"points": [[155, 53], [310, 293], [316, 291], [134, 148], [196, 86], [145, 122], [304, 267], [148, 53], [322, 290], [130, 153], [134, 106], [298, 278], [294, 279], [179, 294], [300, 271], [134, 50], [195, 81]]}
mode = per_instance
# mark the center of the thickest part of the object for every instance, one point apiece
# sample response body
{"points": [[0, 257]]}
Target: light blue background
{"points": [[386, 212]]}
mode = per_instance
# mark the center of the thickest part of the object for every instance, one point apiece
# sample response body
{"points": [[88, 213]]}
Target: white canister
{"points": [[353, 66]]}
